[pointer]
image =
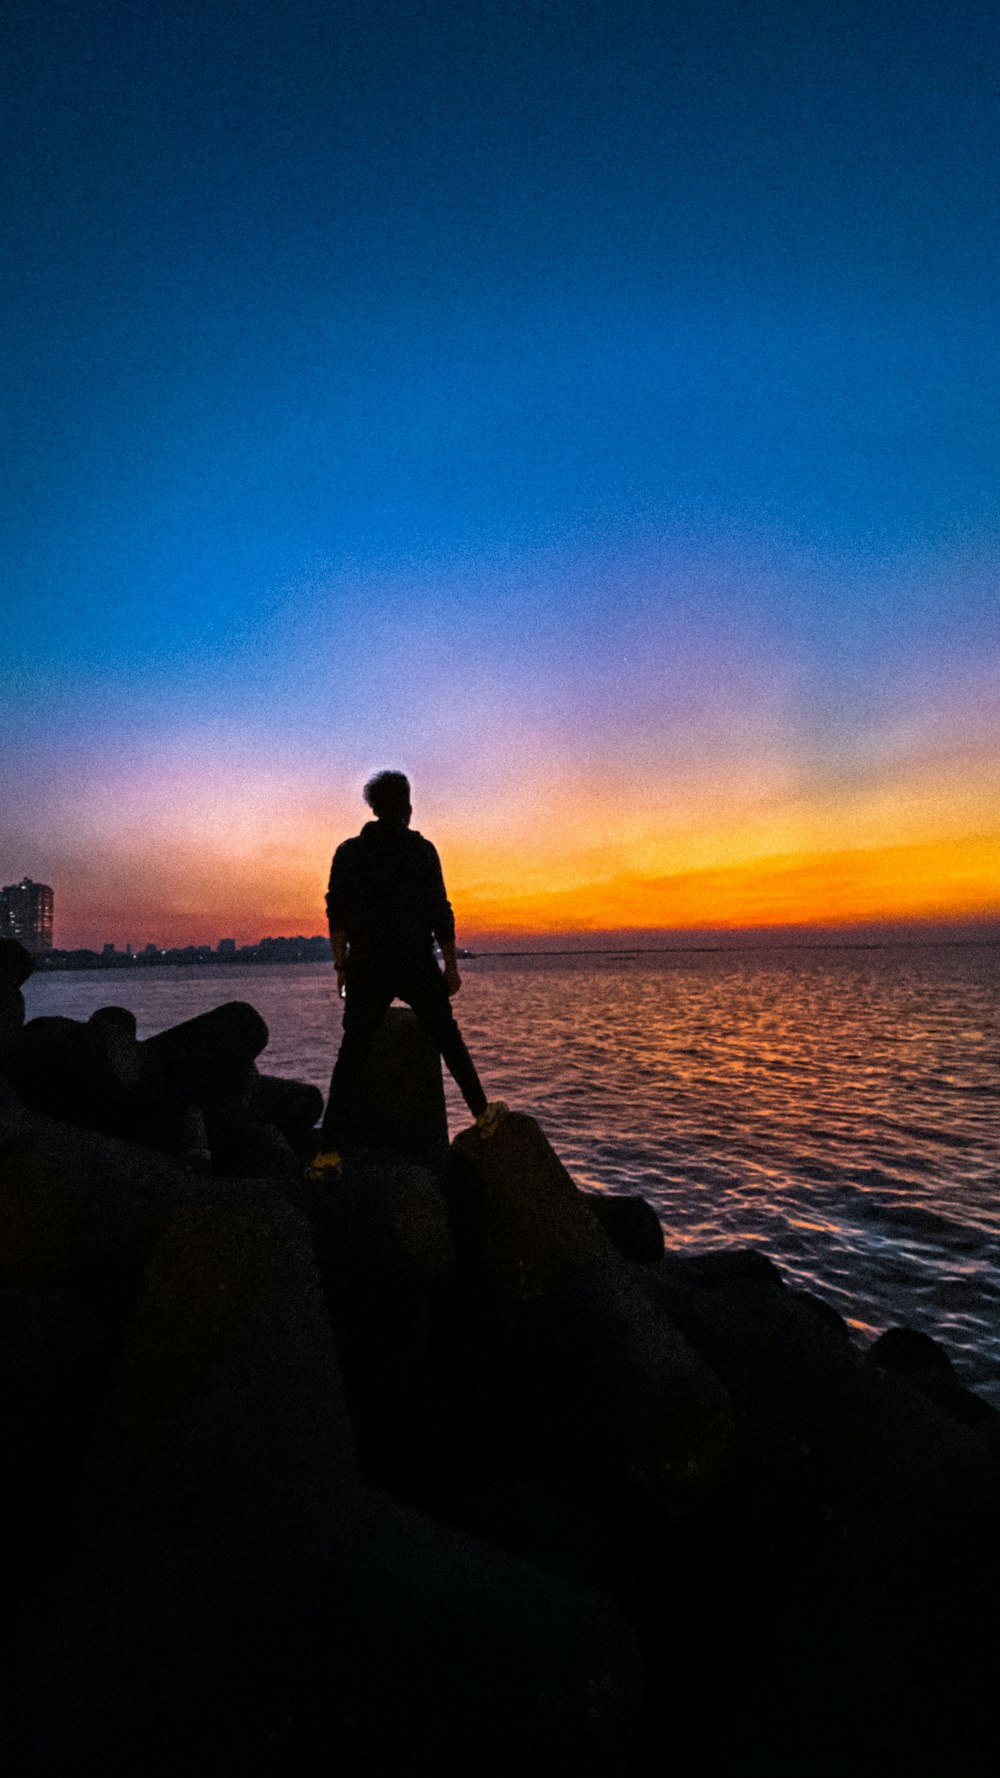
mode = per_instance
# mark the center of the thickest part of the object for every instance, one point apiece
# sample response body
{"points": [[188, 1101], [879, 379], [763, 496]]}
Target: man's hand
{"points": [[338, 945], [452, 979]]}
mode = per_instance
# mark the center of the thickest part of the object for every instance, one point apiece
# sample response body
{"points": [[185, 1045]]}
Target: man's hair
{"points": [[388, 795]]}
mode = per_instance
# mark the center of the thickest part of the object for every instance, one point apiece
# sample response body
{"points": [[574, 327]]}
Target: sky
{"points": [[589, 409]]}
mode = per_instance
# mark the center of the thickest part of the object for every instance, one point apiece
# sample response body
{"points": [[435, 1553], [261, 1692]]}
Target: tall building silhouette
{"points": [[26, 914]]}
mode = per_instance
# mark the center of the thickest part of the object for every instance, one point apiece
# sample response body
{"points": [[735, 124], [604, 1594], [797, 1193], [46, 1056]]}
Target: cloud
{"points": [[935, 880]]}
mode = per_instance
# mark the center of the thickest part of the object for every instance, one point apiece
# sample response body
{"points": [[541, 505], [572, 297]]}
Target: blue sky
{"points": [[542, 398]]}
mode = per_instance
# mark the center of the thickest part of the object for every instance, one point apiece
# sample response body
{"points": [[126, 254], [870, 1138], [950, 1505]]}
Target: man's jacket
{"points": [[387, 894]]}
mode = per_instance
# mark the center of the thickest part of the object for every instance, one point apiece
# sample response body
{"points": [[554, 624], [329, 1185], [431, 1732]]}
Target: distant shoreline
{"points": [[252, 956]]}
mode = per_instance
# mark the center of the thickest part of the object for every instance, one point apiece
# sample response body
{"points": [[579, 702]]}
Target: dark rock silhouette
{"points": [[87, 1074], [924, 1364], [16, 965], [631, 1225], [404, 1091], [212, 1053], [118, 1017], [446, 1466], [287, 1105]]}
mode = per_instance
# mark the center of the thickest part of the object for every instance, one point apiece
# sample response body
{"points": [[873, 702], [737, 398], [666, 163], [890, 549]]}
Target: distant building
{"points": [[26, 914], [226, 948]]}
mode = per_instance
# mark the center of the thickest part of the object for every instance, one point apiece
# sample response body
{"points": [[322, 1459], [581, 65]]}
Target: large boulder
{"points": [[606, 1383], [588, 1372], [212, 1054], [922, 1363], [384, 1219], [262, 1127], [894, 1504], [384, 1245], [434, 1651], [11, 1022], [16, 964], [519, 1219], [291, 1106], [81, 1208], [404, 1090], [220, 1466], [90, 1074], [242, 1149], [56, 1352], [631, 1225]]}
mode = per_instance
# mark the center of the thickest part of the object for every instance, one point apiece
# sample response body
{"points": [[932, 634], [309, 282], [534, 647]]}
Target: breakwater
{"points": [[449, 1465]]}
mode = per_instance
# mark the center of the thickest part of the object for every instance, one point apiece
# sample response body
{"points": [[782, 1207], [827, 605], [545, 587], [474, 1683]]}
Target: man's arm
{"points": [[452, 979], [444, 922], [338, 944], [337, 896]]}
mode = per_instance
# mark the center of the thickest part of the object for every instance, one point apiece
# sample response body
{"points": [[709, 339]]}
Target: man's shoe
{"points": [[325, 1167], [488, 1120]]}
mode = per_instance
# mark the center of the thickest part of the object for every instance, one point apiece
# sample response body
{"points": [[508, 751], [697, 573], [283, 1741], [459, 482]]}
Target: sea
{"points": [[837, 1108]]}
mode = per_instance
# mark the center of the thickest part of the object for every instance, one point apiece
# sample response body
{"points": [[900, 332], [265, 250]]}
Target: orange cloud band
{"points": [[945, 879]]}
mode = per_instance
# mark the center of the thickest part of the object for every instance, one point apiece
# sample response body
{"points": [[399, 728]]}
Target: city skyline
{"points": [[26, 914], [592, 413], [271, 946]]}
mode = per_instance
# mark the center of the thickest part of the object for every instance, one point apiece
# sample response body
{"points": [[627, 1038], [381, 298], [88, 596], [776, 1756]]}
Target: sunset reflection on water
{"points": [[838, 1108]]}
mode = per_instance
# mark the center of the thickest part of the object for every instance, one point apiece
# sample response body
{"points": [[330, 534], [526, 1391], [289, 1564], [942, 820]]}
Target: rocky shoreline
{"points": [[448, 1466]]}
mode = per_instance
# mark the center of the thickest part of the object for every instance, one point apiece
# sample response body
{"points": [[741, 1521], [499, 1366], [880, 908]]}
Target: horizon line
{"points": [[745, 939]]}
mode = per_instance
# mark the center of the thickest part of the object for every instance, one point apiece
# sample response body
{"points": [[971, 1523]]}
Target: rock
{"points": [[227, 1430], [630, 1223], [555, 1522], [16, 964], [220, 1467], [175, 1128], [100, 1077], [924, 1364], [766, 1345], [253, 1151], [211, 1054], [86, 1074], [404, 1090], [382, 1339], [56, 1349], [119, 1018], [434, 1651], [11, 1109], [520, 1221], [728, 1266], [825, 1312], [902, 1503], [577, 1353], [384, 1243], [11, 1022], [291, 1106], [907, 1352], [385, 1219], [606, 1383], [261, 1129], [79, 1207]]}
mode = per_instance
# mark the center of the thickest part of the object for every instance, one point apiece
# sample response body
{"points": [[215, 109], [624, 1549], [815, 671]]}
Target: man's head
{"points": [[388, 797]]}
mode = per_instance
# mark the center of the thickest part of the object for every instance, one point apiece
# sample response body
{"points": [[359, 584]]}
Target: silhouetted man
{"points": [[386, 905]]}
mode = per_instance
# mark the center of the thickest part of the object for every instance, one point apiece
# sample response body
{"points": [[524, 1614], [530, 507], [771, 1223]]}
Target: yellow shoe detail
{"points": [[488, 1120], [325, 1166]]}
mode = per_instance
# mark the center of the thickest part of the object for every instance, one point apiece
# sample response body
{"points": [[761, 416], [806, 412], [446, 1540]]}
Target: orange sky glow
{"points": [[917, 850]]}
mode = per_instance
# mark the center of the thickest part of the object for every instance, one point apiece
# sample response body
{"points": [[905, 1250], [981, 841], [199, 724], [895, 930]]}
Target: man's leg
{"points": [[423, 989], [366, 1002]]}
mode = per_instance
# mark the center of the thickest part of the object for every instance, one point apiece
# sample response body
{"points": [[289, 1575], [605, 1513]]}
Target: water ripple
{"points": [[837, 1109]]}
